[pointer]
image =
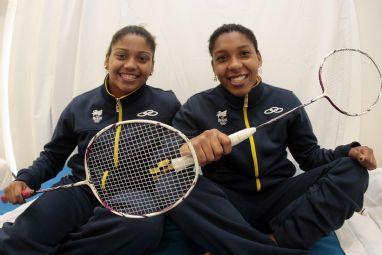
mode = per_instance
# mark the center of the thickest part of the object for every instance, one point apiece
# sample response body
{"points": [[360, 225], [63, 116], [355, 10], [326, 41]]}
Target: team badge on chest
{"points": [[222, 117], [97, 116]]}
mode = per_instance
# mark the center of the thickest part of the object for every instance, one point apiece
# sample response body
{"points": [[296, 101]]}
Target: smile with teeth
{"points": [[128, 77], [237, 79]]}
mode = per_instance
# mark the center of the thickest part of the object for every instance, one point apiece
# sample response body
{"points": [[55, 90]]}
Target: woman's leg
{"points": [[40, 228]]}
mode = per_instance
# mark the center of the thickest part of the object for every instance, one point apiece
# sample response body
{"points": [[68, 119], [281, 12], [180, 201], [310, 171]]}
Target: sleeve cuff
{"points": [[24, 176], [343, 150]]}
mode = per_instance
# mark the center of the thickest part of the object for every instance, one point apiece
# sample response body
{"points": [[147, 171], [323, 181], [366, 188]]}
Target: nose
{"points": [[130, 63], [234, 63]]}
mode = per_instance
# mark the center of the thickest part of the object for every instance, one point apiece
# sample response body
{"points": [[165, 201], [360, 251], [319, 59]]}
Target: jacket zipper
{"points": [[252, 144], [118, 107]]}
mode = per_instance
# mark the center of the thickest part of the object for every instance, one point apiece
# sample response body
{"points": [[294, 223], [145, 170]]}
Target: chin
{"points": [[239, 92]]}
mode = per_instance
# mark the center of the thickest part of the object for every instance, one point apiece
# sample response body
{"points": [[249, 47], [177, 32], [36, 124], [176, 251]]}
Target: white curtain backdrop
{"points": [[59, 47]]}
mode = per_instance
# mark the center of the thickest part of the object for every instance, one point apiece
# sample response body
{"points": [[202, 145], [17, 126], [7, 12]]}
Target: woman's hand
{"points": [[209, 146], [365, 156], [12, 193]]}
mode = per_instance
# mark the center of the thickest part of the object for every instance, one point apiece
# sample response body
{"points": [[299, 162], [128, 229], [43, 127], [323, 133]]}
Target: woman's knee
{"points": [[357, 173], [348, 175]]}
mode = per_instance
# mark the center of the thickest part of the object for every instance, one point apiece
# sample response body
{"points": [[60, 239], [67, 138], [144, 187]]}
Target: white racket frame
{"points": [[115, 125]]}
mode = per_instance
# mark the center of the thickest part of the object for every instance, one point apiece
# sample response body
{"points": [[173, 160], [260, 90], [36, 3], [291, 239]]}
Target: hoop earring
{"points": [[215, 78], [259, 71], [258, 79]]}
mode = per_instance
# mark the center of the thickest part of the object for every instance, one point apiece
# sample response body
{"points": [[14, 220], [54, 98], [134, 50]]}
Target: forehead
{"points": [[232, 41], [132, 42]]}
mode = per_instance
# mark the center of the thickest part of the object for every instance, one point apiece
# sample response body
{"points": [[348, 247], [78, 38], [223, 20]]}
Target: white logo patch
{"points": [[150, 113], [97, 116], [273, 109], [222, 117]]}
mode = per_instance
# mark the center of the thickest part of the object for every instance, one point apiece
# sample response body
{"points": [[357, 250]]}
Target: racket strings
{"points": [[351, 80], [144, 180]]}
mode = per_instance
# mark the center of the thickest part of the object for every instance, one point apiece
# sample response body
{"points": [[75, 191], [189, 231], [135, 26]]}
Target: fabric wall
{"points": [[59, 47], [3, 8]]}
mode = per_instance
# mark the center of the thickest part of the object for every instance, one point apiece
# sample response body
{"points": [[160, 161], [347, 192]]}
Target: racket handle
{"points": [[241, 135], [182, 162], [27, 194], [236, 138], [4, 199]]}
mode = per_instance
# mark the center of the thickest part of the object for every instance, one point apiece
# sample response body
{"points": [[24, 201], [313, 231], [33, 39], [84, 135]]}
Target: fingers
{"points": [[211, 145], [13, 192], [26, 193], [365, 156]]}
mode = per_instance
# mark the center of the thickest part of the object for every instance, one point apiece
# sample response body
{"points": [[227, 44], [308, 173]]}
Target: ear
{"points": [[212, 65], [260, 59], [152, 67], [106, 63]]}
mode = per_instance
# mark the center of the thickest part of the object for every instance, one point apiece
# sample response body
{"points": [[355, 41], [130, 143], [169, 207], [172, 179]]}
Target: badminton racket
{"points": [[340, 70], [129, 168]]}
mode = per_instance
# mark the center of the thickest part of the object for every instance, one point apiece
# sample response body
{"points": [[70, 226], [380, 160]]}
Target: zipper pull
{"points": [[246, 101], [117, 105]]}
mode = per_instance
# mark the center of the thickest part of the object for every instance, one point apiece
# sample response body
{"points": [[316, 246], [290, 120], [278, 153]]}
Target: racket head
{"points": [[342, 73], [132, 175]]}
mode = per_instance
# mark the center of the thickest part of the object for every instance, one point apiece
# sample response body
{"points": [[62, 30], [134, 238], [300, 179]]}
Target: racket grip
{"points": [[4, 199], [182, 162], [241, 135], [27, 194], [236, 138]]}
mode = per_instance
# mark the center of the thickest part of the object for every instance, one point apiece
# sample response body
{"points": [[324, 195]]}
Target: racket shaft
{"points": [[236, 138], [27, 194]]}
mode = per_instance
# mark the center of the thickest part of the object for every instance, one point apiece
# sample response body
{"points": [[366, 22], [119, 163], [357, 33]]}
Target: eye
{"points": [[121, 56], [221, 58], [245, 53], [143, 58]]}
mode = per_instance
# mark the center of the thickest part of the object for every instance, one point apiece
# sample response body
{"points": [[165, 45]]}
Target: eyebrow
{"points": [[237, 48], [142, 51], [139, 52]]}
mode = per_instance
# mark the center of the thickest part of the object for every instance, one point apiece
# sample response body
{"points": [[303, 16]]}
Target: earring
{"points": [[215, 78], [260, 71]]}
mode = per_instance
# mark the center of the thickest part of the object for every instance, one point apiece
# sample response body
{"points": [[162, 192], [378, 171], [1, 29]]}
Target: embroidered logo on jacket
{"points": [[222, 117], [97, 116], [150, 113], [273, 109]]}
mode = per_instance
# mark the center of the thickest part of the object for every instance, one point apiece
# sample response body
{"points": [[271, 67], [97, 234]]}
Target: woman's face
{"points": [[129, 65], [236, 62]]}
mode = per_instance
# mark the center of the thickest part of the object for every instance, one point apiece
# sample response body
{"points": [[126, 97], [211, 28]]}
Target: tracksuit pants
{"points": [[298, 211]]}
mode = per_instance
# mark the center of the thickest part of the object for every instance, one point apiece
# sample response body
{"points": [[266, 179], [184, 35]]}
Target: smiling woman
{"points": [[129, 61], [58, 227], [235, 60], [249, 198]]}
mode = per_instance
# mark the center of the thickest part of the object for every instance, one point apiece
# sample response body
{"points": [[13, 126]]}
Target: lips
{"points": [[237, 80], [128, 77]]}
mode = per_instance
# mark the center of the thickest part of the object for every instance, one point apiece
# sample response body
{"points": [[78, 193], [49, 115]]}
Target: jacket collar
{"points": [[254, 96], [131, 97]]}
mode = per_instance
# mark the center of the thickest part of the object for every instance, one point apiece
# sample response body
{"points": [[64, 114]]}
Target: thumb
{"points": [[27, 192]]}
